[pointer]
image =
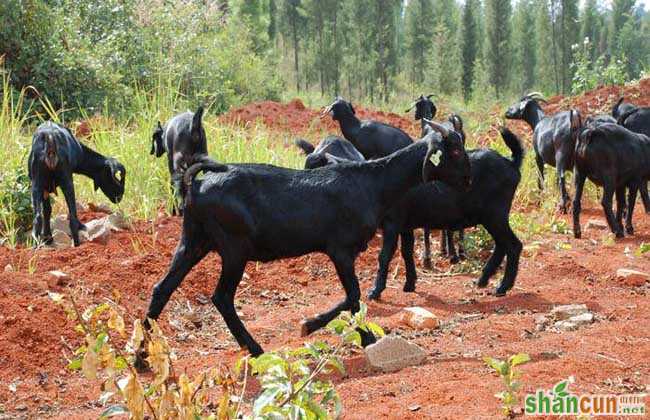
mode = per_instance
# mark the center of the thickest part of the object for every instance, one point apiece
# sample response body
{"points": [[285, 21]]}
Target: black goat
{"points": [[552, 139], [55, 155], [181, 138], [253, 212], [425, 110], [329, 151], [615, 158], [596, 120], [638, 120], [437, 206], [372, 138]]}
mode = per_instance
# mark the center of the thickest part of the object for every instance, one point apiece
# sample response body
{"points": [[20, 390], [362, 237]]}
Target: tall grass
{"points": [[127, 137]]}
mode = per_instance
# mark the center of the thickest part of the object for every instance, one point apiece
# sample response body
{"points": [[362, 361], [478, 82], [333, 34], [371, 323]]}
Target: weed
{"points": [[506, 370]]}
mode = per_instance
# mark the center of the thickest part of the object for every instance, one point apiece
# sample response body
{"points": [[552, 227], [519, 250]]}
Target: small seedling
{"points": [[506, 370]]}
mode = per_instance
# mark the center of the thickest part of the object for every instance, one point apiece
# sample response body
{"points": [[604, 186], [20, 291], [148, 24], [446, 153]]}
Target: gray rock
{"points": [[61, 240], [392, 353], [596, 224], [566, 326], [97, 230], [61, 223], [582, 319], [563, 312], [117, 221], [541, 322]]}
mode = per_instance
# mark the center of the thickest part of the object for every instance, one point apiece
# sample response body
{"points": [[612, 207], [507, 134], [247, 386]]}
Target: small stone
{"points": [[419, 318], [541, 322], [566, 326], [61, 240], [582, 319], [392, 353], [58, 278], [596, 224], [96, 231], [563, 312], [117, 221], [81, 207], [61, 223], [632, 277], [9, 268]]}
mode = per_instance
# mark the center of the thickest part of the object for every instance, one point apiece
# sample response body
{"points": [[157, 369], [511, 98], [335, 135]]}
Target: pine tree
{"points": [[470, 47], [418, 37], [498, 54], [526, 48], [591, 22]]}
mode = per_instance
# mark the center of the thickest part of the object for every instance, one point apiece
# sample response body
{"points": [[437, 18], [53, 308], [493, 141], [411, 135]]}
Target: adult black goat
{"points": [[181, 138], [425, 110], [55, 155], [372, 138], [435, 205], [253, 212], [552, 139], [329, 151], [635, 119], [615, 158]]}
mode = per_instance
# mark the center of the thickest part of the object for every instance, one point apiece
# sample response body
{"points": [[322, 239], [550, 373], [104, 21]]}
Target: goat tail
{"points": [[198, 164], [624, 116], [305, 146], [514, 144]]}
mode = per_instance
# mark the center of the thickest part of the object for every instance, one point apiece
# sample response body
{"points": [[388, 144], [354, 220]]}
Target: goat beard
{"points": [[51, 160]]}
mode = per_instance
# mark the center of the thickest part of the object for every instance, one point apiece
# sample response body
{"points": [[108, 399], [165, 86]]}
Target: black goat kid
{"points": [[494, 181], [552, 139], [425, 110], [182, 138], [372, 138], [329, 151], [616, 159], [56, 154], [252, 212]]}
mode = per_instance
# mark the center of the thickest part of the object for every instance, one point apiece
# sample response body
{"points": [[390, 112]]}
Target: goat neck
{"points": [[350, 126], [395, 174], [534, 114], [91, 163]]}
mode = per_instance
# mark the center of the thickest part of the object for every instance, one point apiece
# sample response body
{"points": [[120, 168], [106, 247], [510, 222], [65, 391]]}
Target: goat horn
{"points": [[326, 111], [437, 127]]}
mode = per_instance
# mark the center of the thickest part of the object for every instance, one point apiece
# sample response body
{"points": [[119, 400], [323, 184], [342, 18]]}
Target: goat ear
{"points": [[160, 126], [352, 108], [197, 124]]}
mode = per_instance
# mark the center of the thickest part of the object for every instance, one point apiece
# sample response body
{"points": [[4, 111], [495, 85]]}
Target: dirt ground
{"points": [[610, 355]]}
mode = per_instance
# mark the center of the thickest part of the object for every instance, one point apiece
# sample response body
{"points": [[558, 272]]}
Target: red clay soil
{"points": [[612, 355], [294, 117]]}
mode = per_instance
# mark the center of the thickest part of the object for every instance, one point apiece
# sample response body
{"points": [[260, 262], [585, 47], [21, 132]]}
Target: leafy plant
{"points": [[644, 248], [506, 370], [15, 206], [291, 383]]}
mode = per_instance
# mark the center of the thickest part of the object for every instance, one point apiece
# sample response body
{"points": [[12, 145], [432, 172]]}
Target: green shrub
{"points": [[15, 207]]}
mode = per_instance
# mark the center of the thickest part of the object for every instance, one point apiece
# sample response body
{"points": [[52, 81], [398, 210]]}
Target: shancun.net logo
{"points": [[560, 401]]}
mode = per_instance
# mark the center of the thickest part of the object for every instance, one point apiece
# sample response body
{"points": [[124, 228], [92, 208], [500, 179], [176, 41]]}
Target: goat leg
{"points": [[540, 171], [579, 180], [47, 228], [68, 192], [606, 202], [388, 247], [407, 240], [492, 265], [513, 249], [453, 255], [631, 201], [461, 247], [644, 196], [426, 261], [37, 205], [620, 205]]}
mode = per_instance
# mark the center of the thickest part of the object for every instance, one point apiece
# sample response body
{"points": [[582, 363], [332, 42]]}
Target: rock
{"points": [[392, 353], [419, 318], [97, 230], [9, 268], [117, 221], [541, 322], [582, 319], [632, 277], [61, 240], [563, 312], [100, 208], [57, 278], [566, 326], [81, 207], [61, 223], [596, 224]]}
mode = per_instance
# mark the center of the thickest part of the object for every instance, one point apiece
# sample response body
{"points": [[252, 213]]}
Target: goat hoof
{"points": [[481, 283], [619, 235], [454, 259], [305, 328], [426, 263], [629, 230], [462, 256], [409, 287], [367, 338], [501, 290], [255, 350]]}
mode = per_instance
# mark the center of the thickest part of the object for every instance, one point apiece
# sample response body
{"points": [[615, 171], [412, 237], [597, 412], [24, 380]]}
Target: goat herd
{"points": [[377, 177]]}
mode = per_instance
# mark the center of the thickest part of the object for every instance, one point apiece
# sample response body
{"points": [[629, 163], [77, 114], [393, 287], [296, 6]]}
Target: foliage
{"points": [[591, 74], [506, 370], [15, 206], [290, 380]]}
